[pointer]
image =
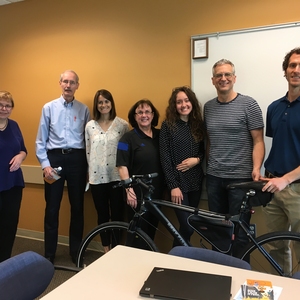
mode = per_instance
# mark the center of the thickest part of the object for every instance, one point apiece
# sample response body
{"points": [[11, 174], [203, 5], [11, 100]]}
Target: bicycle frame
{"points": [[152, 205], [237, 219], [262, 250], [240, 222]]}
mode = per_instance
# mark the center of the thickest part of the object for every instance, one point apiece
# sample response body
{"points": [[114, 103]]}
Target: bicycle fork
{"points": [[133, 225]]}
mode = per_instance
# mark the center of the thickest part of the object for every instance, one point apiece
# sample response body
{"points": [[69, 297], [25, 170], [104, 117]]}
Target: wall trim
{"points": [[62, 240], [32, 174], [37, 235]]}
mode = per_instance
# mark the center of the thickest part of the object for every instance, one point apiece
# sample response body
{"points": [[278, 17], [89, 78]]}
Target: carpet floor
{"points": [[62, 259]]}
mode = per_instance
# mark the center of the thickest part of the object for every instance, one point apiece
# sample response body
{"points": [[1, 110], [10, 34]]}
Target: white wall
{"points": [[257, 54]]}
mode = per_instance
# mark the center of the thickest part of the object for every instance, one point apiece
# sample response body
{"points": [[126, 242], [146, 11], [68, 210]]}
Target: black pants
{"points": [[109, 204], [224, 201], [10, 202], [190, 199], [74, 172]]}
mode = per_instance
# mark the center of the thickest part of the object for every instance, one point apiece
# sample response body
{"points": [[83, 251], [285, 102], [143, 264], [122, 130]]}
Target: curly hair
{"points": [[287, 57], [195, 118], [141, 103]]}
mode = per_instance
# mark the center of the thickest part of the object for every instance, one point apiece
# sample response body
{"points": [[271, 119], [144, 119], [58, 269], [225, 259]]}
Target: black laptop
{"points": [[165, 283]]}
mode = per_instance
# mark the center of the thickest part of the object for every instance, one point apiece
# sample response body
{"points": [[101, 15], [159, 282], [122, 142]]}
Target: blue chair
{"points": [[25, 276], [296, 275], [209, 256]]}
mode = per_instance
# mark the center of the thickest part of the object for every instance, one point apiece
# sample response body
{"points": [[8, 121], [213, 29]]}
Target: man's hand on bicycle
{"points": [[176, 196], [274, 184], [131, 197]]}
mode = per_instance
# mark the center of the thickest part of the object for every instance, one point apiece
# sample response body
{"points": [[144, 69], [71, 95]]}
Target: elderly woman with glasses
{"points": [[181, 151], [12, 153], [138, 154]]}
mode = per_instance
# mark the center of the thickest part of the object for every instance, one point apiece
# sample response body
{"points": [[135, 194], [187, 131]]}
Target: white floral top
{"points": [[101, 150]]}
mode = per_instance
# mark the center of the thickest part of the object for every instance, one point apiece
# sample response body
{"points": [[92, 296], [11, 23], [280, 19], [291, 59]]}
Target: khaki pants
{"points": [[283, 214]]}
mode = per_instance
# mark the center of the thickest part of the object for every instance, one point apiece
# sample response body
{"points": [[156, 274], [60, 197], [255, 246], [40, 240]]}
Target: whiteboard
{"points": [[257, 54]]}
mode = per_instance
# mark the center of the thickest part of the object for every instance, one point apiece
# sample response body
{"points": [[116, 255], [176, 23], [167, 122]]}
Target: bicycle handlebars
{"points": [[136, 179], [146, 176]]}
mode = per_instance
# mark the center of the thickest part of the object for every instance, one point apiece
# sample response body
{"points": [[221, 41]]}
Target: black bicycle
{"points": [[215, 230]]}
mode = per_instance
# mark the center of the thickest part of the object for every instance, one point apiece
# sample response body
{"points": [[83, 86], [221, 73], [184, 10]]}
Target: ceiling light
{"points": [[3, 2]]}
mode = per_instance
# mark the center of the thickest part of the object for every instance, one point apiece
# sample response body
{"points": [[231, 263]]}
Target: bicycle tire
{"points": [[119, 234], [271, 242]]}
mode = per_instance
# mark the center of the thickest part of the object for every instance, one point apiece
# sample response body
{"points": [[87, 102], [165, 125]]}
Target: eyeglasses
{"points": [[7, 107], [146, 112], [72, 82], [220, 75]]}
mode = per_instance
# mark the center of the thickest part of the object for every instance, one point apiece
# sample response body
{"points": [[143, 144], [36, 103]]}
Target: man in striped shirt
{"points": [[235, 144]]}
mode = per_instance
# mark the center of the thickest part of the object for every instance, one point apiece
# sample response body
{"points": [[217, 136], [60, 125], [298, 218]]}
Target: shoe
{"points": [[73, 257], [106, 248], [51, 259]]}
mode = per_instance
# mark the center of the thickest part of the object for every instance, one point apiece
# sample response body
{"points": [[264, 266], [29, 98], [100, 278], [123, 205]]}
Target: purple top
{"points": [[11, 143]]}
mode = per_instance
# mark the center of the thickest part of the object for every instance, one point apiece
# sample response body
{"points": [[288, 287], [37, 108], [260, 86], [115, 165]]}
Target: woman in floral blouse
{"points": [[102, 135]]}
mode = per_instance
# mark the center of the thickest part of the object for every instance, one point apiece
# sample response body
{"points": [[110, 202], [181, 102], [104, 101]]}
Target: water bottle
{"points": [[58, 170], [55, 175]]}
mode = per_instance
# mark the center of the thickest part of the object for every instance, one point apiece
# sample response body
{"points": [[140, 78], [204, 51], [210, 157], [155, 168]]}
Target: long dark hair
{"points": [[195, 118], [107, 95]]}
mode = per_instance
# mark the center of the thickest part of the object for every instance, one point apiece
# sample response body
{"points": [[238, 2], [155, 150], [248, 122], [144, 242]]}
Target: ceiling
{"points": [[3, 2]]}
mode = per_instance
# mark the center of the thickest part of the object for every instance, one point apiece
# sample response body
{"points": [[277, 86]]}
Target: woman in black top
{"points": [[138, 154], [182, 152]]}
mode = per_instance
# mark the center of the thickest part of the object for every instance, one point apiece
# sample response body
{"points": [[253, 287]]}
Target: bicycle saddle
{"points": [[255, 185], [259, 197]]}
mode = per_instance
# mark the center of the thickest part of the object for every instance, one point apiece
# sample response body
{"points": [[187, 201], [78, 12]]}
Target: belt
{"points": [[270, 175], [65, 151]]}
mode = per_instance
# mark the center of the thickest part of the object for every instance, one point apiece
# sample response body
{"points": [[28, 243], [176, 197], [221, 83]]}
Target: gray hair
{"points": [[62, 74], [221, 62]]}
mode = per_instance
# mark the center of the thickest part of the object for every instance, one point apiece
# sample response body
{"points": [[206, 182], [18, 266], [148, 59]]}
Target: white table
{"points": [[120, 274]]}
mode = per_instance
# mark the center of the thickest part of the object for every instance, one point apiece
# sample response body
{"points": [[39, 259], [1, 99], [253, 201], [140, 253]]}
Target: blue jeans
{"points": [[222, 200]]}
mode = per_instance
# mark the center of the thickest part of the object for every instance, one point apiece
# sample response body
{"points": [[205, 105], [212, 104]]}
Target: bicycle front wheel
{"points": [[109, 235], [278, 253]]}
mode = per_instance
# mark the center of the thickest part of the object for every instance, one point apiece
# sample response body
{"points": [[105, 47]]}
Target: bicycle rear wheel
{"points": [[281, 247], [114, 233]]}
